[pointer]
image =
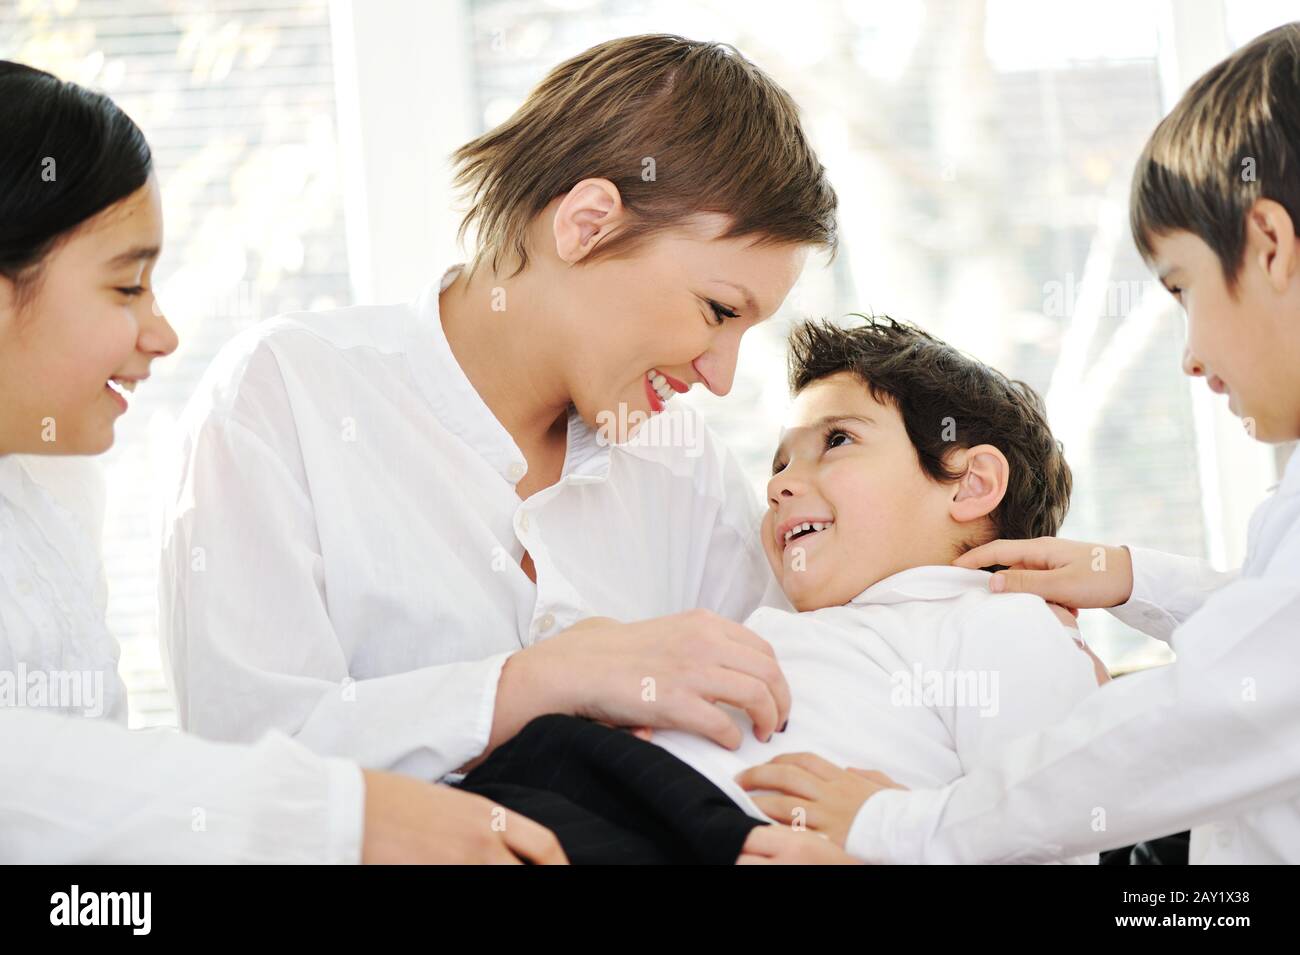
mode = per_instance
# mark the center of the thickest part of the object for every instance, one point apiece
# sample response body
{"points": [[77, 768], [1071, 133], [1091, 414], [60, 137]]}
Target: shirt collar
{"points": [[463, 412], [923, 583]]}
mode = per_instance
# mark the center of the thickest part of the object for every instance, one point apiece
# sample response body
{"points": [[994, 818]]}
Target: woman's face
{"points": [[87, 332], [667, 316]]}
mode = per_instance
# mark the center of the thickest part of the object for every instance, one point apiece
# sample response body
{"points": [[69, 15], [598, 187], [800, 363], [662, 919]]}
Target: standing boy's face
{"points": [[668, 315], [1244, 342], [845, 462]]}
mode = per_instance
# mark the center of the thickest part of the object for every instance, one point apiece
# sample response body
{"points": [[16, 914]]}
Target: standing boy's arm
{"points": [[1150, 754], [1146, 589]]}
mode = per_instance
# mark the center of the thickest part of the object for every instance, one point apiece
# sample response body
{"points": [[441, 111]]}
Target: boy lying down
{"points": [[900, 454]]}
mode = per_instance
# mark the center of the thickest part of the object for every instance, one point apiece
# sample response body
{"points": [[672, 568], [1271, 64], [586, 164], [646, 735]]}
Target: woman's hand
{"points": [[408, 821], [669, 672], [1070, 573]]}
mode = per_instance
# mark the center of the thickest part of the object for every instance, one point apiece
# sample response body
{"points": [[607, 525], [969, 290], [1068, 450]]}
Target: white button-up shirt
{"points": [[342, 556], [1211, 741], [925, 675], [76, 789]]}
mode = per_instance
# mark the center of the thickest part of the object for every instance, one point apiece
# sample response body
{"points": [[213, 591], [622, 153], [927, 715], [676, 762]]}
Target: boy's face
{"points": [[1246, 345], [845, 462], [667, 316]]}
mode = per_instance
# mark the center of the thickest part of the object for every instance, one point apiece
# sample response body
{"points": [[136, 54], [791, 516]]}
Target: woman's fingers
{"points": [[745, 692], [739, 648], [705, 719]]}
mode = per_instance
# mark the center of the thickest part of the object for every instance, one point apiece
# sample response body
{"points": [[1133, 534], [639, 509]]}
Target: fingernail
{"points": [[998, 584], [783, 726]]}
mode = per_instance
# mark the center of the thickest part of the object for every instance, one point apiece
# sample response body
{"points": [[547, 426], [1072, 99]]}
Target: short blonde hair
{"points": [[679, 126]]}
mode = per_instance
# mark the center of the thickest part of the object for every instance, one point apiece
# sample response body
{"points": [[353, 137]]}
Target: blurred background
{"points": [[981, 150]]}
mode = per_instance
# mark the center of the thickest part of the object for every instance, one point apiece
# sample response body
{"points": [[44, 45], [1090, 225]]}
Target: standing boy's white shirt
{"points": [[76, 789], [1211, 741], [341, 560], [925, 675]]}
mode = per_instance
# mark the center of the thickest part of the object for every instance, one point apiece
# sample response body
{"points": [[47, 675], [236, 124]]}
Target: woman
{"points": [[390, 519], [80, 232]]}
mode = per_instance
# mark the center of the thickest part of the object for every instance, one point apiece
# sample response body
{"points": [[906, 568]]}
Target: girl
{"points": [[80, 232]]}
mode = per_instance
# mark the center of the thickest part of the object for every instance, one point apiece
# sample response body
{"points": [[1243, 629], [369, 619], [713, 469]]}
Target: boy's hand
{"points": [[777, 845], [814, 792], [1070, 573]]}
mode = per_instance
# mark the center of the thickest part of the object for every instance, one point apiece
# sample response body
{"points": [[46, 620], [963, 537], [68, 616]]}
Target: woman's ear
{"points": [[983, 483], [586, 216]]}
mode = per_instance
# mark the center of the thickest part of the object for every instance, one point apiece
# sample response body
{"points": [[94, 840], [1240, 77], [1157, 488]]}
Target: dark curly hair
{"points": [[947, 400]]}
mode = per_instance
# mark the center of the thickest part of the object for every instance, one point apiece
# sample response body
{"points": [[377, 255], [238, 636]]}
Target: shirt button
{"points": [[545, 622], [517, 471]]}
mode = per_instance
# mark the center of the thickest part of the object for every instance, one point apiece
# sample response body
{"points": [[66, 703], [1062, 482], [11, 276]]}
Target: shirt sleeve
{"points": [[1167, 589], [1147, 754], [89, 791], [245, 623]]}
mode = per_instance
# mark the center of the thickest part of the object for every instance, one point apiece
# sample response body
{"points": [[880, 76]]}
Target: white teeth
{"points": [[813, 526], [660, 385], [120, 387]]}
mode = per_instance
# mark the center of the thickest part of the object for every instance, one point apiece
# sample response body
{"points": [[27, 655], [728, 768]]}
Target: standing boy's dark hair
{"points": [[66, 153], [679, 126], [1233, 138], [947, 400]]}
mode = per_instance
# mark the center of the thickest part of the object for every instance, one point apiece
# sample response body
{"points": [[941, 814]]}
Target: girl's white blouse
{"points": [[52, 629], [76, 789]]}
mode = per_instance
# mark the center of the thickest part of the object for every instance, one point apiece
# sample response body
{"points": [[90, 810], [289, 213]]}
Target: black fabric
{"points": [[1167, 850], [611, 798]]}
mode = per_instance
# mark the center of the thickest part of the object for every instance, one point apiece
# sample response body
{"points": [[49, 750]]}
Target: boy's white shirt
{"points": [[78, 789], [1210, 742], [341, 556], [926, 675]]}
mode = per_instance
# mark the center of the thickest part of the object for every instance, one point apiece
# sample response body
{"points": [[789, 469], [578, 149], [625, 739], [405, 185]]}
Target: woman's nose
{"points": [[717, 366]]}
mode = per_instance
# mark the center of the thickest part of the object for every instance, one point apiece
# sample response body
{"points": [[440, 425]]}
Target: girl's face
{"points": [[667, 317], [74, 350]]}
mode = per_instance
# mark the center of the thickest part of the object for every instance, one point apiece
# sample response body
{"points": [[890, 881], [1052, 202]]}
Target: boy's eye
{"points": [[721, 312], [833, 436]]}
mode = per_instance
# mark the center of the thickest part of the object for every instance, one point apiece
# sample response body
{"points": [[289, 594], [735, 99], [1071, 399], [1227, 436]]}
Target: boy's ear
{"points": [[586, 216], [983, 483], [1271, 242]]}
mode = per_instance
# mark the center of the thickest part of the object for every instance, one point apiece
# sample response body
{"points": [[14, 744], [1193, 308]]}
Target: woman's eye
{"points": [[132, 291], [721, 312]]}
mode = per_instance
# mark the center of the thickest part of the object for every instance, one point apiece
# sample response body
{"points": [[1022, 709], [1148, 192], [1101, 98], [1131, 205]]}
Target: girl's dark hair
{"points": [[66, 154]]}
